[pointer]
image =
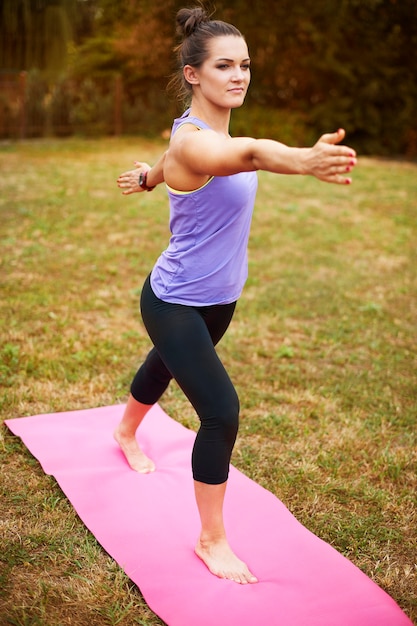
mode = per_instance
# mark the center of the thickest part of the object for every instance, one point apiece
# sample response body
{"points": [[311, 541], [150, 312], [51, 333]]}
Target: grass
{"points": [[322, 351]]}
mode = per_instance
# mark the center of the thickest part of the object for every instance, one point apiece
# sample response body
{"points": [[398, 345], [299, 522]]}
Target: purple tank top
{"points": [[206, 260]]}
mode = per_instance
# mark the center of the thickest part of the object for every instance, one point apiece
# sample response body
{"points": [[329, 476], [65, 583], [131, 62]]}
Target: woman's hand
{"points": [[129, 181], [328, 161]]}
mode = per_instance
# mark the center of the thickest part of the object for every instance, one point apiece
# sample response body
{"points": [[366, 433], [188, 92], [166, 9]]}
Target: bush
{"points": [[92, 112], [258, 121], [60, 108], [35, 104]]}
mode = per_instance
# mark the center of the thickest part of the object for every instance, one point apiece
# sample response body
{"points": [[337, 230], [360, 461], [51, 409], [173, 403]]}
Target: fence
{"points": [[12, 109], [29, 107]]}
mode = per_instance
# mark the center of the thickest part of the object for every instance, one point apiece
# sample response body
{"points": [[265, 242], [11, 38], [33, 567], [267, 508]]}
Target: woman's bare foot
{"points": [[137, 460], [222, 562]]}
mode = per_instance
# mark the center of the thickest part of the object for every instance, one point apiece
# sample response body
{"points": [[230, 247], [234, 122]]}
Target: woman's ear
{"points": [[190, 75]]}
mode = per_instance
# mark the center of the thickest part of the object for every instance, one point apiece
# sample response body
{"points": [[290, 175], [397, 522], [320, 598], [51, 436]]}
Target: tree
{"points": [[35, 34]]}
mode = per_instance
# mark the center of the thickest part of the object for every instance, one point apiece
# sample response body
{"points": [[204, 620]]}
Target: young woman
{"points": [[189, 298]]}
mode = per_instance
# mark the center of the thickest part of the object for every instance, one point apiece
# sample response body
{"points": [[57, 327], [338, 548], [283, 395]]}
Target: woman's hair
{"points": [[196, 29]]}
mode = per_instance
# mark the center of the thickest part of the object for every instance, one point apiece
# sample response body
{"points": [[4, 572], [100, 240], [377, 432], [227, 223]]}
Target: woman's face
{"points": [[224, 76]]}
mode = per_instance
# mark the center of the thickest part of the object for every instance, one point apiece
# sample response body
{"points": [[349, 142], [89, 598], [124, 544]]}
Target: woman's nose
{"points": [[238, 74]]}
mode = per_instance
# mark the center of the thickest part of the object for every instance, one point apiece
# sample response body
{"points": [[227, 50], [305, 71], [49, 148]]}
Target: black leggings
{"points": [[184, 338]]}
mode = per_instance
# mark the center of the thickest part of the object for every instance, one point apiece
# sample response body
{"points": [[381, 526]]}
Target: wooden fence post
{"points": [[22, 99], [118, 98]]}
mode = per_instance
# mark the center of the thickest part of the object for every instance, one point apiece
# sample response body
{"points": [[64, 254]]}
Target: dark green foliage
{"points": [[36, 92], [60, 108]]}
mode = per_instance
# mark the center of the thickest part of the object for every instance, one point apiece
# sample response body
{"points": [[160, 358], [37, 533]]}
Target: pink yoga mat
{"points": [[149, 524]]}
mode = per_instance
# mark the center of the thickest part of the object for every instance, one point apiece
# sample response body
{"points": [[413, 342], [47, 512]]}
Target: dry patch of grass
{"points": [[322, 350]]}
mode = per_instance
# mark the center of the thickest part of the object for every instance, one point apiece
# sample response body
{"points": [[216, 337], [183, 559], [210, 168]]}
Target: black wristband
{"points": [[142, 182]]}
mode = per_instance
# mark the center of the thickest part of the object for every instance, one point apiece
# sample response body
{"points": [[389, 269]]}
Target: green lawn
{"points": [[323, 352]]}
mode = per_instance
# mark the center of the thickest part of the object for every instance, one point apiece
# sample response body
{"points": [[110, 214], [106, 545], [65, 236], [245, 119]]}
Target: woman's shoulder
{"points": [[187, 119]]}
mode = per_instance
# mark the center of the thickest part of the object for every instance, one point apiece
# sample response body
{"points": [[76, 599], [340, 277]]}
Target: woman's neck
{"points": [[217, 118]]}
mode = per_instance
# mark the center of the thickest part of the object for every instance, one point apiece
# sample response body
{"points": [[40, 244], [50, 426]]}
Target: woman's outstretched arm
{"points": [[326, 160], [208, 153]]}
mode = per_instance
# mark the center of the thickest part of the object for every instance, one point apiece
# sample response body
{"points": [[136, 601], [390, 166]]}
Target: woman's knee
{"points": [[223, 418], [151, 380]]}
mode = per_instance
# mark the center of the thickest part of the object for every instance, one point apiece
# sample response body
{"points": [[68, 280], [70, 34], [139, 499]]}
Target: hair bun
{"points": [[188, 20]]}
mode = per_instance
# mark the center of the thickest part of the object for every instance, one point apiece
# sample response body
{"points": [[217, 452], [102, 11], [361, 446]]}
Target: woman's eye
{"points": [[225, 66]]}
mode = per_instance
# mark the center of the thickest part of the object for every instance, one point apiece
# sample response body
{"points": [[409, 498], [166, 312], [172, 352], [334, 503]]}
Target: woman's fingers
{"points": [[334, 161], [129, 181]]}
